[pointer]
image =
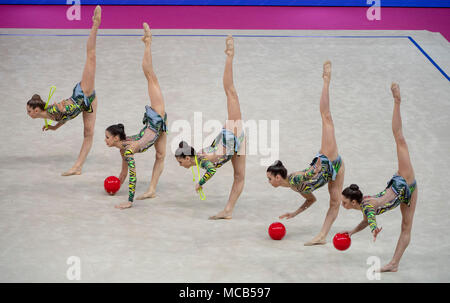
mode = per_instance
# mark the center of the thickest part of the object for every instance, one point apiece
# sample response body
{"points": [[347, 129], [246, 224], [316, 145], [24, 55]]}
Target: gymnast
{"points": [[401, 190], [326, 167], [153, 132], [83, 100], [228, 145]]}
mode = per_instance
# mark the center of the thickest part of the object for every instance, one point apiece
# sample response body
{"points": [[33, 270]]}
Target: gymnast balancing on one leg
{"points": [[83, 100], [228, 145], [326, 167], [401, 190], [153, 133]]}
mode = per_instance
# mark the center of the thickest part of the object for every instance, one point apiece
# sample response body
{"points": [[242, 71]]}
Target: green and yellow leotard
{"points": [[402, 191], [306, 182]]}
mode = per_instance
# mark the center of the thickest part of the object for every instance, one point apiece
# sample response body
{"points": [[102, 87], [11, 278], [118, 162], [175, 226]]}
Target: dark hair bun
{"points": [[354, 187], [184, 149], [36, 101], [183, 144], [353, 193], [36, 97], [117, 130], [277, 168], [278, 163]]}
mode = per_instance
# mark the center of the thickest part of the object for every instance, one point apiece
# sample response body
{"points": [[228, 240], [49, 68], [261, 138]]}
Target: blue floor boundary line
{"points": [[247, 36], [428, 57]]}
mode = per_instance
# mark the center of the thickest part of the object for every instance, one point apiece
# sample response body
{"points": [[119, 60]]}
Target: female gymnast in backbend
{"points": [[83, 100], [153, 132], [326, 167], [228, 145], [401, 190]]}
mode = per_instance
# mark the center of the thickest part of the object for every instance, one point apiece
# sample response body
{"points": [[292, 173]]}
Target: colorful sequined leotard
{"points": [[232, 145], [402, 191], [306, 181], [76, 104], [155, 125]]}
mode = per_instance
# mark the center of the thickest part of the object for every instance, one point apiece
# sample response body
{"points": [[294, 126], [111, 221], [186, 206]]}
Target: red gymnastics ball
{"points": [[277, 231], [112, 185], [342, 241]]}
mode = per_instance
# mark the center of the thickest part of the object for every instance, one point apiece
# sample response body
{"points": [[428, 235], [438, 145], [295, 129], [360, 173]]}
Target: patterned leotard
{"points": [[76, 104], [232, 145], [306, 182], [155, 125], [402, 191]]}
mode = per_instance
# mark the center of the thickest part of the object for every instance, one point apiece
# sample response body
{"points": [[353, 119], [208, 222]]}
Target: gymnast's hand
{"points": [[375, 233], [348, 232], [288, 215], [124, 205], [197, 187], [49, 127]]}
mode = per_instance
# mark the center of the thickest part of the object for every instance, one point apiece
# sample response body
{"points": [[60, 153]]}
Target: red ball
{"points": [[342, 241], [112, 185], [277, 231]]}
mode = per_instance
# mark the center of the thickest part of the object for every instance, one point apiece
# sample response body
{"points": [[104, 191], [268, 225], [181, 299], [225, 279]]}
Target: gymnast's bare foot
{"points": [[327, 71], [318, 240], [72, 172], [391, 267], [147, 195], [221, 215], [97, 18], [147, 38], [229, 46], [395, 88], [124, 205]]}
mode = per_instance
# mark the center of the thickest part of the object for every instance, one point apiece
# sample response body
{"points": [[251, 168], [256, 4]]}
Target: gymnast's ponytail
{"points": [[278, 169], [36, 101], [117, 130], [353, 193], [184, 150]]}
